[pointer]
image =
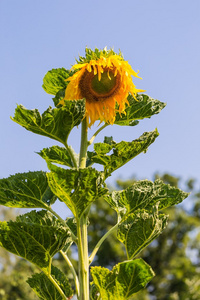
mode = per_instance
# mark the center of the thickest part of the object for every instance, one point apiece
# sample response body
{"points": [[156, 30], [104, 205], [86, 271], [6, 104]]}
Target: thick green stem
{"points": [[82, 225], [84, 144], [83, 260]]}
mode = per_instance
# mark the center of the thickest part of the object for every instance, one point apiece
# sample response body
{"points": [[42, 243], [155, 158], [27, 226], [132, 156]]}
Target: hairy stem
{"points": [[96, 133], [82, 225], [72, 156], [100, 242], [76, 281], [84, 144], [55, 283]]}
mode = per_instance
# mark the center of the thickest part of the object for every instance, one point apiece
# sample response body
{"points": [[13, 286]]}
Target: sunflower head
{"points": [[104, 79]]}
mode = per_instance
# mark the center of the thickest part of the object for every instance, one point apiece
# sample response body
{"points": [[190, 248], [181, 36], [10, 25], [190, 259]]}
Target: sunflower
{"points": [[104, 79]]}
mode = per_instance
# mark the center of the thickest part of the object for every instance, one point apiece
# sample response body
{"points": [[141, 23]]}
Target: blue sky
{"points": [[160, 38]]}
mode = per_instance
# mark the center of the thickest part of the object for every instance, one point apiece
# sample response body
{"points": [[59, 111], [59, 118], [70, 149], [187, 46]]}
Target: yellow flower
{"points": [[104, 82]]}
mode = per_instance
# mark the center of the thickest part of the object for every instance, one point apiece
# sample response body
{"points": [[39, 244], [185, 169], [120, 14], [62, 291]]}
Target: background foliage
{"points": [[174, 255]]}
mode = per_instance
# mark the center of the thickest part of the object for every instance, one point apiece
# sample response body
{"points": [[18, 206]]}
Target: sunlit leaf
{"points": [[35, 236], [54, 80], [124, 280], [56, 154], [139, 230], [77, 188], [144, 194], [45, 289], [143, 107], [27, 190], [54, 123], [122, 152]]}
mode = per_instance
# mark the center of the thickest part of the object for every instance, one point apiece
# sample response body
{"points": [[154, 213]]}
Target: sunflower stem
{"points": [[82, 233], [96, 133]]}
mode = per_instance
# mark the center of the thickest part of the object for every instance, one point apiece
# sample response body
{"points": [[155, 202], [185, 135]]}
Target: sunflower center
{"points": [[105, 85]]}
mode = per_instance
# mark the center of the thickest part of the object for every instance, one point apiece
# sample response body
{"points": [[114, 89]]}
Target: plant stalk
{"points": [[82, 233], [100, 242], [84, 144], [76, 281], [48, 274]]}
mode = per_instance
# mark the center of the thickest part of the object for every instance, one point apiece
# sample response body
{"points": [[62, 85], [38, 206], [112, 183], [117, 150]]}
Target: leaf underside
{"points": [[26, 190], [122, 152], [124, 280], [54, 123], [141, 107], [76, 188], [138, 230], [144, 194], [35, 236], [45, 289]]}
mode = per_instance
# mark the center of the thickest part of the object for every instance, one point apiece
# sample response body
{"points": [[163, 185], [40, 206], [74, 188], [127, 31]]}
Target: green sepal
{"points": [[144, 194], [124, 280], [58, 155], [138, 230], [141, 107], [122, 152], [96, 54], [45, 289], [76, 188], [55, 80], [54, 123], [35, 236], [26, 190]]}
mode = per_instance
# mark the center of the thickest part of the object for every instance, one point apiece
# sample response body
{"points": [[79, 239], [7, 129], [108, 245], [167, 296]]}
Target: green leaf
{"points": [[76, 188], [27, 190], [72, 224], [56, 154], [123, 281], [54, 80], [145, 194], [143, 107], [45, 289], [54, 123], [35, 236], [122, 152], [139, 230], [59, 96]]}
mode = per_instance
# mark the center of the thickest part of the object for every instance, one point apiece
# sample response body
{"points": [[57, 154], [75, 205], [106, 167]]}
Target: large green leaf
{"points": [[77, 188], [54, 80], [27, 190], [35, 236], [141, 107], [145, 194], [59, 155], [122, 152], [54, 123], [123, 281], [139, 230], [55, 83], [45, 289]]}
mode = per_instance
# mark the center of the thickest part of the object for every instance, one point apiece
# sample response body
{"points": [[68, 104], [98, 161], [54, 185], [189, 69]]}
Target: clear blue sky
{"points": [[160, 38]]}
